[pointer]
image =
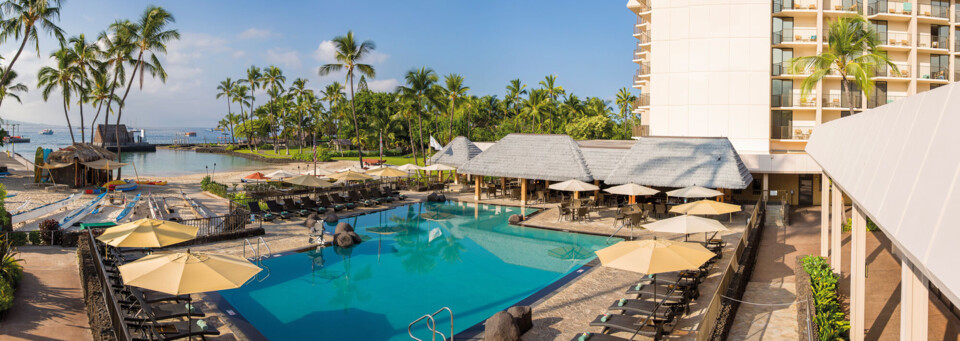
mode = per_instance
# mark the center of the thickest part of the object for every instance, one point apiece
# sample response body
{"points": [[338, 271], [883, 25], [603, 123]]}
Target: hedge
{"points": [[831, 323]]}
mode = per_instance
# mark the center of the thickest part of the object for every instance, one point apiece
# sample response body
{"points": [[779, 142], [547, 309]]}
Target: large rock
{"points": [[356, 237], [441, 197], [343, 228], [501, 327], [331, 218], [343, 240], [311, 220], [433, 197], [515, 219], [523, 316]]}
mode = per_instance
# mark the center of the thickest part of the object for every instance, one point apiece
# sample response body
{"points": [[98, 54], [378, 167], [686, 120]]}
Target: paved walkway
{"points": [[49, 303], [773, 281]]}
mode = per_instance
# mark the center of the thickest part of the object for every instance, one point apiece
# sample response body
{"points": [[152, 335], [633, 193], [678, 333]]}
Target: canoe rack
{"points": [[432, 325], [258, 256]]}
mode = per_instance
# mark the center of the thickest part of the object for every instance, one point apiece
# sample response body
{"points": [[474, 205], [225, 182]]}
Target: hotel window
{"points": [[782, 30], [857, 97], [939, 65], [781, 124], [780, 5], [879, 95], [781, 58], [940, 9], [780, 91], [757, 186], [853, 5], [876, 6], [939, 35], [880, 26]]}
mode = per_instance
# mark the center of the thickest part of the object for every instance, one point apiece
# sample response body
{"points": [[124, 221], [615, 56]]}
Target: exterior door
{"points": [[806, 190]]}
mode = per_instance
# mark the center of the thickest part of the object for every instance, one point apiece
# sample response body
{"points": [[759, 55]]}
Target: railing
{"points": [[643, 70], [802, 5], [896, 39], [640, 20], [887, 71], [934, 42], [432, 325], [956, 41], [840, 101], [873, 102], [926, 72], [640, 130], [797, 35], [892, 7], [236, 220], [644, 6], [642, 100], [799, 132], [117, 319], [842, 5], [637, 52], [938, 11], [644, 36]]}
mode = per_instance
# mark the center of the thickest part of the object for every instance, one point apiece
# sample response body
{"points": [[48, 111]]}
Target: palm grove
{"points": [[403, 120], [95, 74]]}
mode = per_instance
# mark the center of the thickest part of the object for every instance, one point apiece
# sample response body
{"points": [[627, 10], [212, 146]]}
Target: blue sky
{"points": [[586, 44]]}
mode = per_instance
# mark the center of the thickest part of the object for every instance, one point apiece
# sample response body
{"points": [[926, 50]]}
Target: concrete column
{"points": [[913, 302], [766, 185], [523, 192], [835, 237], [456, 178], [824, 216], [857, 273], [476, 191]]}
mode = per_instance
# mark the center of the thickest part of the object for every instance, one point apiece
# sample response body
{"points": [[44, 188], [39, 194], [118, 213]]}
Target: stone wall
{"points": [[100, 325], [738, 284], [805, 302]]}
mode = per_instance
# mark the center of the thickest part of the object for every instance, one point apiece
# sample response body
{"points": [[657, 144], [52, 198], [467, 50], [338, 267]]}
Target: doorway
{"points": [[806, 190]]}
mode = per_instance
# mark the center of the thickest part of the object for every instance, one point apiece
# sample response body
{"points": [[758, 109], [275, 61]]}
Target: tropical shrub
{"points": [[47, 230], [831, 322], [34, 237], [6, 296], [4, 220], [847, 226], [214, 187], [10, 269], [18, 238]]}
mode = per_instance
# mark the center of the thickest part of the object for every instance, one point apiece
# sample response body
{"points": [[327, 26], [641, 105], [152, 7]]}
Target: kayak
{"points": [[129, 186], [155, 183], [95, 190]]}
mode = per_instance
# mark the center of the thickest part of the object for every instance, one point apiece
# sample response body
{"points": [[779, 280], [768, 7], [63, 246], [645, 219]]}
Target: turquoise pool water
{"points": [[415, 260]]}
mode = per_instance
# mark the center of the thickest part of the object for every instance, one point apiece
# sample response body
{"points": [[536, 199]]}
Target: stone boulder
{"points": [[523, 316], [501, 327], [343, 240], [515, 219], [433, 197], [311, 220], [343, 228], [331, 218]]}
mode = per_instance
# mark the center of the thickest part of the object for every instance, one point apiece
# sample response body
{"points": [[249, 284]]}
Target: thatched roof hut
{"points": [[529, 156], [81, 152], [602, 161], [681, 162], [456, 153]]}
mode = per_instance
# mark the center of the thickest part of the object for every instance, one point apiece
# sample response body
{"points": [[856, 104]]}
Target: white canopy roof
{"points": [[899, 162]]}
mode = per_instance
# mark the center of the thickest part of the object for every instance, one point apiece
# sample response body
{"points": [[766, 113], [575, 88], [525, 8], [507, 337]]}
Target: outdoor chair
{"points": [[661, 210], [175, 330], [311, 205], [641, 325], [664, 309], [255, 210], [277, 209], [354, 196], [290, 206], [583, 213], [564, 209], [341, 201], [369, 198], [325, 202], [375, 193]]}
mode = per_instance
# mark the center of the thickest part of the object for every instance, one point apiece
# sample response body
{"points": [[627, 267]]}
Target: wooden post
{"points": [[523, 192], [633, 199], [576, 195], [456, 178], [596, 194], [476, 190], [824, 216], [503, 186]]}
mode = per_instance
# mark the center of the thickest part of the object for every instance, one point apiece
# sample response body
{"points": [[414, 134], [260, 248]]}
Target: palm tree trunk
{"points": [[26, 36], [133, 75], [849, 89], [249, 129], [67, 116], [300, 134], [83, 135], [106, 115], [229, 111], [93, 122], [243, 121], [420, 124], [356, 124], [412, 147], [453, 106]]}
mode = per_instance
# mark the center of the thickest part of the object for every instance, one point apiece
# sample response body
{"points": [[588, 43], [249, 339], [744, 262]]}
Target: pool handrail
{"points": [[432, 325]]}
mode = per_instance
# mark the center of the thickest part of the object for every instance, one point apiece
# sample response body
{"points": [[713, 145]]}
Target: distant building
{"points": [[106, 136]]}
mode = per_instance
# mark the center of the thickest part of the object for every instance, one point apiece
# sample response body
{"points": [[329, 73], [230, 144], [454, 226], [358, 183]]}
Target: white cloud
{"points": [[255, 33], [284, 57], [383, 85], [326, 53], [193, 47], [239, 54]]}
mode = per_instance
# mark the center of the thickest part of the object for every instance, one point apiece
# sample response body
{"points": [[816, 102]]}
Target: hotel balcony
{"points": [[795, 36], [640, 130], [927, 41], [838, 101], [891, 10], [878, 100], [809, 6], [896, 41], [793, 100], [639, 6], [643, 73], [642, 101], [841, 6], [642, 35], [888, 72], [932, 74], [933, 13], [793, 131]]}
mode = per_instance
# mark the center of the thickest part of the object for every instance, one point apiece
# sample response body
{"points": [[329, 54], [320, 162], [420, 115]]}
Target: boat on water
{"points": [[16, 139], [46, 132], [190, 133]]}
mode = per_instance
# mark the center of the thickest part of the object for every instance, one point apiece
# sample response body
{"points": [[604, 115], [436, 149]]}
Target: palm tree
{"points": [[273, 111], [454, 89], [149, 35], [515, 89], [348, 55], [851, 51], [226, 89], [8, 89], [334, 95], [420, 87], [100, 91], [117, 50], [299, 90], [85, 59], [273, 79], [405, 112], [23, 17], [625, 101], [553, 91], [536, 107], [254, 79], [63, 77], [242, 97]]}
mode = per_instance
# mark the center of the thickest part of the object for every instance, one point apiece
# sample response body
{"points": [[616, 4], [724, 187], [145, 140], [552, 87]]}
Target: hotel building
{"points": [[719, 68]]}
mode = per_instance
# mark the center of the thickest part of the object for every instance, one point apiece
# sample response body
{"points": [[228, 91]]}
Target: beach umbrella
{"points": [[257, 176], [386, 172], [308, 181], [694, 192], [633, 190], [705, 207], [104, 164], [409, 167], [316, 172], [282, 174], [438, 167], [652, 257], [349, 176], [575, 186], [148, 232], [685, 224]]}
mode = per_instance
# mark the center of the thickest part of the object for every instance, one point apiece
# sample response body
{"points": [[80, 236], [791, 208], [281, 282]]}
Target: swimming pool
{"points": [[415, 259]]}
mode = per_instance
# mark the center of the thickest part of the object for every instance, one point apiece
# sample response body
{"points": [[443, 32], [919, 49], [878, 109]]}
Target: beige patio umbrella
{"points": [[705, 207], [654, 256], [282, 174], [386, 172], [349, 176], [694, 192], [439, 168], [148, 232], [575, 186], [104, 164], [308, 181], [686, 224], [409, 167], [633, 190]]}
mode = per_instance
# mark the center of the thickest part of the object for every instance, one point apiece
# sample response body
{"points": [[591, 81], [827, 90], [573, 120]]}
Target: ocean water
{"points": [[160, 163], [415, 259]]}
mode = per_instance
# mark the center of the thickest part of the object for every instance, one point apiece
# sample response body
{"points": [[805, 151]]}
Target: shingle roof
{"points": [[528, 156], [602, 161], [681, 162], [456, 153]]}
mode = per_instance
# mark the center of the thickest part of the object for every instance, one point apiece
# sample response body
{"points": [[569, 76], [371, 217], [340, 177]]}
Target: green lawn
{"points": [[268, 153], [393, 160]]}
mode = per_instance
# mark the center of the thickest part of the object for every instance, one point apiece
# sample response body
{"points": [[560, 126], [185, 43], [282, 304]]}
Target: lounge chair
{"points": [[290, 206], [354, 196], [631, 324], [597, 337], [375, 193], [255, 210], [672, 292], [665, 311], [311, 205], [340, 200], [365, 194], [166, 311], [325, 202], [175, 330], [277, 209]]}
